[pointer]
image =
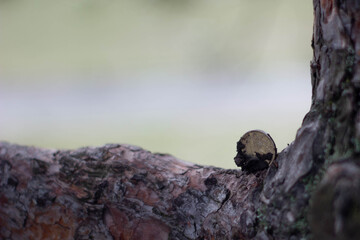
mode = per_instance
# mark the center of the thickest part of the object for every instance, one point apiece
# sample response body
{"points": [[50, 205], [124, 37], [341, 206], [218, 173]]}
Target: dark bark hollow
{"points": [[125, 192]]}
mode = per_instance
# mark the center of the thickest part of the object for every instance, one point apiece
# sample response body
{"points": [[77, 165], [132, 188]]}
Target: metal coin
{"points": [[255, 151], [257, 143]]}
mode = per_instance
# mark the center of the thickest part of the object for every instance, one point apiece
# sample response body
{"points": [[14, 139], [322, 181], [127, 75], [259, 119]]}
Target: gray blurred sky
{"points": [[182, 77]]}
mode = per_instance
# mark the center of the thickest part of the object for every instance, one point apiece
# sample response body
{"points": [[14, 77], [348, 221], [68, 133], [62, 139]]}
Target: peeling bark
{"points": [[125, 192]]}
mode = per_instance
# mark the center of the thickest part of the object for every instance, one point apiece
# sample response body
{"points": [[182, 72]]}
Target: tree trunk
{"points": [[125, 192]]}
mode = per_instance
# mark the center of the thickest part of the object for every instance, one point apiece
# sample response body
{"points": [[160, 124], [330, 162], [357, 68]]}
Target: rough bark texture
{"points": [[121, 192], [125, 192]]}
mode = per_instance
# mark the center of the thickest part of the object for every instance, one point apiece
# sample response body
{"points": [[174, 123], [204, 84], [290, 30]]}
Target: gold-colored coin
{"points": [[257, 143], [255, 151]]}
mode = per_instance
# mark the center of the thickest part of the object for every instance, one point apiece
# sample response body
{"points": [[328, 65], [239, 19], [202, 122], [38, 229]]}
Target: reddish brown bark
{"points": [[121, 192], [125, 192]]}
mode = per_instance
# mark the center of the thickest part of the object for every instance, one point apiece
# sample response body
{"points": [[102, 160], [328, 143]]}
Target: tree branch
{"points": [[123, 192]]}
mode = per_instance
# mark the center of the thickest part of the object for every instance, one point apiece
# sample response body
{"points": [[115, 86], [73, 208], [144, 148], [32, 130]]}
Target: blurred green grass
{"points": [[45, 37], [211, 145], [104, 43]]}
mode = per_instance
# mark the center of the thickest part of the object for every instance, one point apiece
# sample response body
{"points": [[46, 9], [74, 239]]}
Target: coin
{"points": [[255, 151]]}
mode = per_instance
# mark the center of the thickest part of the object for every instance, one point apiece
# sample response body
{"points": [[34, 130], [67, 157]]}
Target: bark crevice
{"points": [[125, 192]]}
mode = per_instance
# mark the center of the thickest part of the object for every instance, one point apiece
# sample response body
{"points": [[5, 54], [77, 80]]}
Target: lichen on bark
{"points": [[125, 192]]}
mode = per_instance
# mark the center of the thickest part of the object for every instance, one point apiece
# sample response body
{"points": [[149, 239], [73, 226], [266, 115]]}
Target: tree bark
{"points": [[125, 192]]}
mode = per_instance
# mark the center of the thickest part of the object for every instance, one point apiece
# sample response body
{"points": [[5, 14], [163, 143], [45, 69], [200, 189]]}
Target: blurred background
{"points": [[183, 77]]}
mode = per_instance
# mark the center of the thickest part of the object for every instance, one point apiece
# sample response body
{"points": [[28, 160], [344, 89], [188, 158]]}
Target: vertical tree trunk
{"points": [[124, 192], [319, 181], [335, 210]]}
